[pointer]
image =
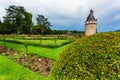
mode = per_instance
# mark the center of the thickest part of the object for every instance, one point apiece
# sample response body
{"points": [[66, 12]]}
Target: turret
{"points": [[90, 24]]}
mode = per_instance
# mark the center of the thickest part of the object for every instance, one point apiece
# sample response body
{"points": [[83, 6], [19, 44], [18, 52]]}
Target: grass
{"points": [[40, 51], [10, 70]]}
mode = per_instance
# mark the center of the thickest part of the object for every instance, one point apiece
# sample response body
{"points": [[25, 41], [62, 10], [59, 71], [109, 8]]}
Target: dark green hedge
{"points": [[96, 57]]}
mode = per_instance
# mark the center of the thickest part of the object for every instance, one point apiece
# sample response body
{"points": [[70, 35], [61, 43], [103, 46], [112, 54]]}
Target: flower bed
{"points": [[37, 64]]}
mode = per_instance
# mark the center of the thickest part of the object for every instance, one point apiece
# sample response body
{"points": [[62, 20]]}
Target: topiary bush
{"points": [[96, 57]]}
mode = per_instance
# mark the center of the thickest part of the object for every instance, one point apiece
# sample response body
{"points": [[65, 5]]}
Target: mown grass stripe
{"points": [[10, 70]]}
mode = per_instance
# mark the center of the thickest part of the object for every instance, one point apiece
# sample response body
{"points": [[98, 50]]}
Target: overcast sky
{"points": [[71, 14]]}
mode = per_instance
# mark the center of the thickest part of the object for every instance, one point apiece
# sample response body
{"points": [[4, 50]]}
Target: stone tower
{"points": [[90, 24]]}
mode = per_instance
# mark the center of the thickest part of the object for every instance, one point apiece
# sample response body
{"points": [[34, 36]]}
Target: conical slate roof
{"points": [[91, 16]]}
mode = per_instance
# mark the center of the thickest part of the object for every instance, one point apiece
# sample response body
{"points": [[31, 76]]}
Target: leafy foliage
{"points": [[43, 25], [96, 57], [56, 43], [50, 41], [17, 20]]}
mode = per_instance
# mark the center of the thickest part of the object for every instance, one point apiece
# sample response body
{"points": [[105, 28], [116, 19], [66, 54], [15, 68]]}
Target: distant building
{"points": [[90, 24]]}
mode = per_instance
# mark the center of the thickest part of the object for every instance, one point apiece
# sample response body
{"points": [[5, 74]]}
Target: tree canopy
{"points": [[43, 25], [17, 20]]}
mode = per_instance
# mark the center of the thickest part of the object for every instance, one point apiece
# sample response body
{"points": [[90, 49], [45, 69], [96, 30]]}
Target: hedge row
{"points": [[40, 45]]}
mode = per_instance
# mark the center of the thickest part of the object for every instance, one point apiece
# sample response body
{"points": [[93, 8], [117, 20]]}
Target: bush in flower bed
{"points": [[37, 64], [96, 57]]}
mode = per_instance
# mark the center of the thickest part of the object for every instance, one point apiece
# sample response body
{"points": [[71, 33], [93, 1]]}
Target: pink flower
{"points": [[5, 50], [1, 47]]}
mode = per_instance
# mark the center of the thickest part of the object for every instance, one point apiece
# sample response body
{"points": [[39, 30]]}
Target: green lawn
{"points": [[40, 51], [10, 70]]}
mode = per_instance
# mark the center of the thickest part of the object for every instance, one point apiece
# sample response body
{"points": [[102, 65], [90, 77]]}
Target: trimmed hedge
{"points": [[96, 57], [34, 44]]}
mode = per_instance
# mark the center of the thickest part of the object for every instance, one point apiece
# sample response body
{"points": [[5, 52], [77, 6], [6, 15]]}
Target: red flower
{"points": [[1, 47], [5, 50]]}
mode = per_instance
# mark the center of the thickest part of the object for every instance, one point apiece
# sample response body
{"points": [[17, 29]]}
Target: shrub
{"points": [[34, 44], [96, 57]]}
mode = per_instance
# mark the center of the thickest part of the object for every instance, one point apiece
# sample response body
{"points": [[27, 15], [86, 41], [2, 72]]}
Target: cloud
{"points": [[116, 17], [67, 12]]}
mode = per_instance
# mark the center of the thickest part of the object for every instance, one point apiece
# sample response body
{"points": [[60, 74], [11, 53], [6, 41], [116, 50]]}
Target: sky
{"points": [[71, 14]]}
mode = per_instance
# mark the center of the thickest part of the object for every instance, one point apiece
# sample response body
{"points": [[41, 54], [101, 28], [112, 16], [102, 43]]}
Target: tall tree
{"points": [[43, 24], [26, 28], [19, 18], [7, 27], [0, 22], [1, 26]]}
